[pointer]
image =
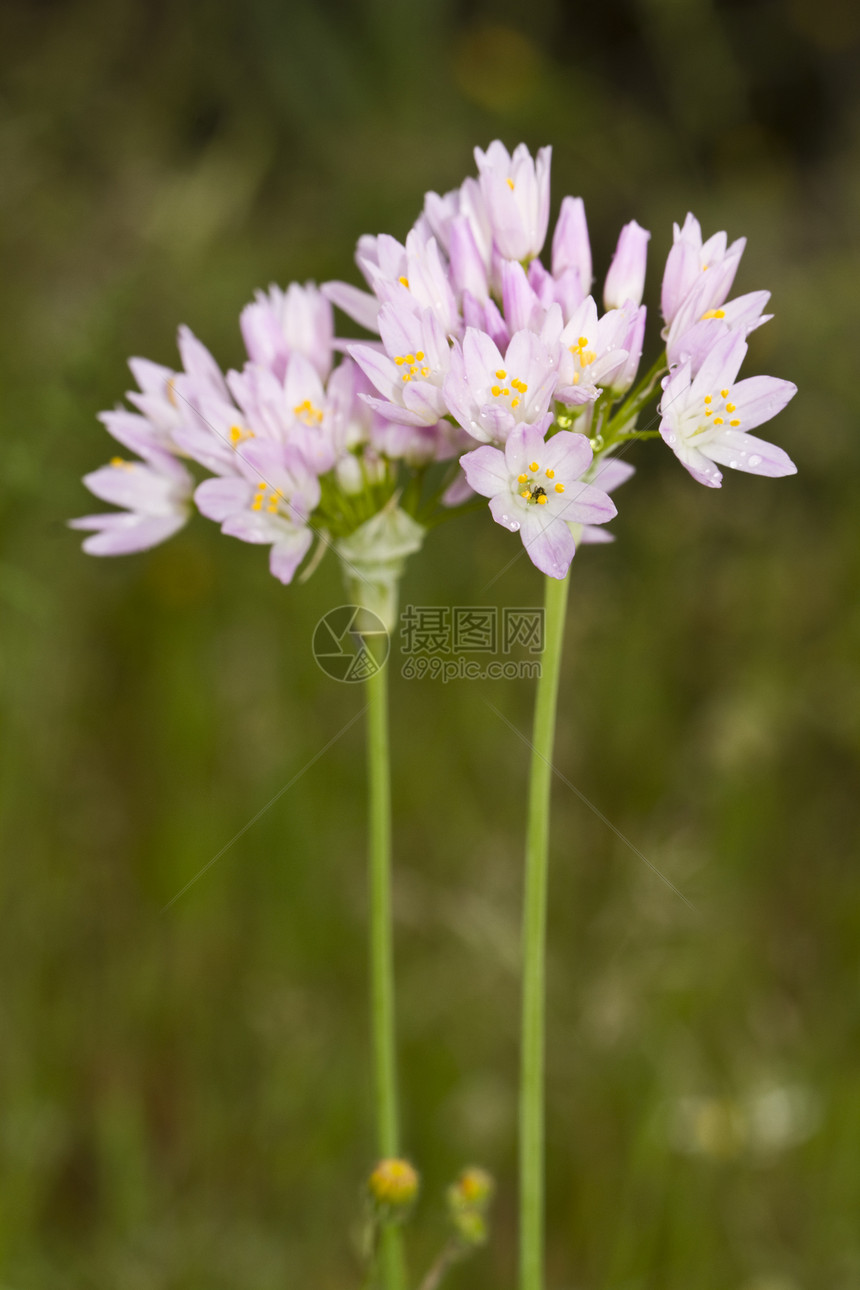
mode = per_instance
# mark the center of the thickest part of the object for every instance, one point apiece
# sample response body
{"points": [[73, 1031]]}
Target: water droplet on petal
{"points": [[733, 464], [513, 525], [755, 460]]}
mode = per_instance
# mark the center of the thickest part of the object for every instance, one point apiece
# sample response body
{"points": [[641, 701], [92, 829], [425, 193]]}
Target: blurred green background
{"points": [[184, 1097]]}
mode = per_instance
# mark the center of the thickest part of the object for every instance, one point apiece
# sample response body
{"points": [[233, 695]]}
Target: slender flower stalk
{"points": [[382, 956], [534, 945]]}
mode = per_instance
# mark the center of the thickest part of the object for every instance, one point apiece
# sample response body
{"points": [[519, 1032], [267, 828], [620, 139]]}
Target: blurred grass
{"points": [[184, 1098]]}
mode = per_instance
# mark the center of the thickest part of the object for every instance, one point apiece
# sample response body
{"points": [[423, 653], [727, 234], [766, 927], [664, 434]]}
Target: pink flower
{"points": [[690, 259], [706, 418], [535, 489], [490, 395], [515, 190], [626, 277], [296, 321], [592, 354], [268, 503], [694, 332], [571, 248], [155, 495], [410, 373]]}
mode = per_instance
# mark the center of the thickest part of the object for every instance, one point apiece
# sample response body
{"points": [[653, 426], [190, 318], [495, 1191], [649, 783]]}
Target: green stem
{"points": [[382, 956], [534, 946]]}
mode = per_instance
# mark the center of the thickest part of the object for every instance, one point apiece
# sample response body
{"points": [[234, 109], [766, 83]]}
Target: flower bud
{"points": [[472, 1190], [471, 1227], [626, 277], [394, 1183]]}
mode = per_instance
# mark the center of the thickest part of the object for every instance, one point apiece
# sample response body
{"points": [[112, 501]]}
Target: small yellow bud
{"points": [[473, 1190], [394, 1182]]}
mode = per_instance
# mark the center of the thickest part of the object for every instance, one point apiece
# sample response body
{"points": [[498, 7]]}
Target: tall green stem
{"points": [[534, 946], [382, 955]]}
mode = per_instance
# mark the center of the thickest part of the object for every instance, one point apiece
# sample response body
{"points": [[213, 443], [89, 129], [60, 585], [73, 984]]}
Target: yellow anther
{"points": [[735, 422], [497, 389], [501, 373], [576, 378], [582, 342], [534, 466], [550, 474], [410, 358], [542, 499], [559, 488], [400, 360], [714, 313], [425, 371], [515, 403], [521, 479], [718, 421], [118, 462], [724, 394], [525, 493], [406, 377], [730, 407], [404, 282], [171, 390], [708, 398], [238, 435], [710, 412], [506, 392], [511, 184], [419, 354]]}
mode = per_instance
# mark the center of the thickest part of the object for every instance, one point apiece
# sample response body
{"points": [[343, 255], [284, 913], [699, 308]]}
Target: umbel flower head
{"points": [[488, 373]]}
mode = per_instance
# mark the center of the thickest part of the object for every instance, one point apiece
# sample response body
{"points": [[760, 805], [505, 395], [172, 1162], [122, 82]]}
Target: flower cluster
{"points": [[488, 373]]}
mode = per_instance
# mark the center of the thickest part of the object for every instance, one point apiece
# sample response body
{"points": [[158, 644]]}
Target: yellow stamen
{"points": [[730, 407], [724, 394], [521, 479], [501, 373], [511, 184], [559, 488], [171, 390], [497, 389], [515, 403], [718, 421], [736, 422], [534, 466], [525, 493], [419, 354], [714, 313], [708, 398], [542, 499], [404, 282], [550, 474]]}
